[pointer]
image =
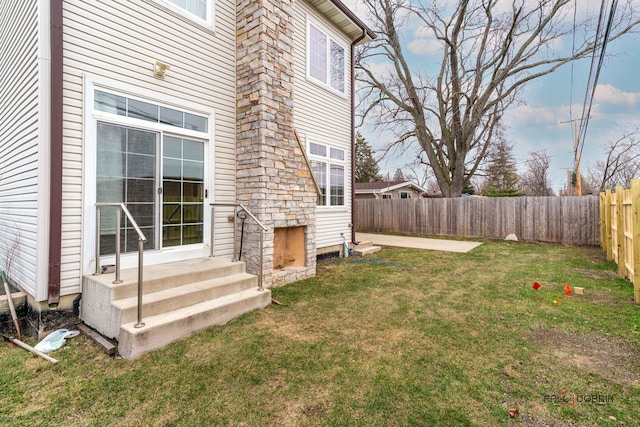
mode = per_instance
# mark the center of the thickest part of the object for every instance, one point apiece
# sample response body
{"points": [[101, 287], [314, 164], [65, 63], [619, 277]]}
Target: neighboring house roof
{"points": [[344, 18], [432, 194], [384, 186]]}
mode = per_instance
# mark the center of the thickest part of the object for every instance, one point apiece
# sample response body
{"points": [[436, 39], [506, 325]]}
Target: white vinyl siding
{"points": [[201, 12], [23, 208], [118, 41], [323, 116]]}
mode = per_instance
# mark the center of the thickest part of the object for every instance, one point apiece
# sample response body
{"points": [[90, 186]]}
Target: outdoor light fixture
{"points": [[160, 67]]}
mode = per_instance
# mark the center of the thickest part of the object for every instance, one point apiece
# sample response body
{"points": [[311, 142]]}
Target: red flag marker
{"points": [[536, 286], [567, 289]]}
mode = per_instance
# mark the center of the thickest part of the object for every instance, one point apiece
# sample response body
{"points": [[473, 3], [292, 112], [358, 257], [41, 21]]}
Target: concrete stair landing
{"points": [[365, 248], [178, 299]]}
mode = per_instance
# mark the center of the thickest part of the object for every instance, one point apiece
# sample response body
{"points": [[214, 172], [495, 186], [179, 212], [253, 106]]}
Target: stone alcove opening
{"points": [[289, 247]]}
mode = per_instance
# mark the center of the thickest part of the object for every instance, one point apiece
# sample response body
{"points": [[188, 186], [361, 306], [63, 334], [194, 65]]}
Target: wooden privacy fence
{"points": [[566, 220], [620, 231]]}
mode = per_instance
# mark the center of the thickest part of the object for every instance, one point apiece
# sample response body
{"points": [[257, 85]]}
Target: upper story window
{"points": [[328, 167], [200, 11], [325, 59]]}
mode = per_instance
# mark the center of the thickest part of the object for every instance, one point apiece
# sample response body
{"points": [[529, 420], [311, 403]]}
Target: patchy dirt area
{"points": [[544, 421], [607, 298], [594, 274], [609, 357]]}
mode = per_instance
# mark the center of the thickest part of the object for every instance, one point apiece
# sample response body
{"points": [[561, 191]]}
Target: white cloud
{"points": [[528, 115], [424, 47], [384, 68], [609, 94]]}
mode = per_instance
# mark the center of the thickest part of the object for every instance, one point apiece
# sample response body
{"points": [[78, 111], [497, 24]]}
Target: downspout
{"points": [[353, 136], [55, 183]]}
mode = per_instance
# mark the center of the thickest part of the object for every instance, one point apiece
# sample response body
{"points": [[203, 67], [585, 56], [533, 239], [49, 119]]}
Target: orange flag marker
{"points": [[567, 289]]}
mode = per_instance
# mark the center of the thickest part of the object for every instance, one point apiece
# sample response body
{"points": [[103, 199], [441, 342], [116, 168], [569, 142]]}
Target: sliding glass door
{"points": [[182, 191], [160, 178]]}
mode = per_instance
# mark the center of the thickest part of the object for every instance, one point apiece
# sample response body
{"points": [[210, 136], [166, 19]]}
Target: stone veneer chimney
{"points": [[272, 178]]}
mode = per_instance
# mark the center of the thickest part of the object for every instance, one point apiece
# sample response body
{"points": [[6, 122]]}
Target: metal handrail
{"points": [[241, 207], [141, 240]]}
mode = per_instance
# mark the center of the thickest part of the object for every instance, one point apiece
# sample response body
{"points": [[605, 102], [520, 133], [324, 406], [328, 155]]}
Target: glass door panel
{"points": [[126, 173], [183, 191]]}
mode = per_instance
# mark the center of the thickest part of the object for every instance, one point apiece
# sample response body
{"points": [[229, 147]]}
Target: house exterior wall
{"points": [[412, 193], [395, 194], [23, 142], [118, 41], [324, 117]]}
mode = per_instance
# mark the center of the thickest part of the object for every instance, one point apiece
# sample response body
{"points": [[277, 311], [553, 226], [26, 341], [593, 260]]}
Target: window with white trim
{"points": [[325, 59], [197, 10], [328, 165], [137, 109], [405, 195]]}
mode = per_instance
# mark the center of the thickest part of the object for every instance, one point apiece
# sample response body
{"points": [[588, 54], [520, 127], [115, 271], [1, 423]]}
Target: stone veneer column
{"points": [[272, 178]]}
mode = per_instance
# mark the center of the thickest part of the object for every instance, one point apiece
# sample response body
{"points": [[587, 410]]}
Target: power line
{"points": [[595, 68], [573, 53]]}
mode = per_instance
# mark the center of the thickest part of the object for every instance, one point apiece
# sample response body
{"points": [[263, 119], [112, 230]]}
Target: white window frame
{"points": [[91, 119], [407, 194], [328, 161], [209, 22], [330, 38]]}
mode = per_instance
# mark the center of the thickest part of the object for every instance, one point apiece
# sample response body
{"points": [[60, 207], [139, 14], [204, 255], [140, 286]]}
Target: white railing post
{"points": [[141, 241], [118, 226], [140, 324], [98, 270]]}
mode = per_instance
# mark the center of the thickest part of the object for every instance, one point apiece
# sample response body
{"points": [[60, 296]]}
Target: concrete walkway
{"points": [[417, 242]]}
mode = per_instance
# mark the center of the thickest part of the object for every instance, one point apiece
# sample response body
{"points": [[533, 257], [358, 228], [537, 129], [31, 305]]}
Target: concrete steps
{"points": [[178, 299], [162, 329], [365, 248]]}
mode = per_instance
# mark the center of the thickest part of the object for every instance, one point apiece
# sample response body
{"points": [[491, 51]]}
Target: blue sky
{"points": [[535, 125]]}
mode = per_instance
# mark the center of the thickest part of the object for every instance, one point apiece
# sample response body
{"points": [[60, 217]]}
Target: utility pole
{"points": [[576, 161]]}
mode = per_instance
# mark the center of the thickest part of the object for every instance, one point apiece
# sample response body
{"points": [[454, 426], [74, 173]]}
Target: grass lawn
{"points": [[408, 338]]}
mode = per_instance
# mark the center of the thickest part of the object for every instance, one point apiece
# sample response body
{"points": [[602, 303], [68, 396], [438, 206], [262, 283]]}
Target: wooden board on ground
{"points": [[104, 343]]}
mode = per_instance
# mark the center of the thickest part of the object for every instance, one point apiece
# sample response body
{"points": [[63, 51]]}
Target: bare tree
{"points": [[621, 164], [418, 173], [487, 53], [9, 245], [535, 179]]}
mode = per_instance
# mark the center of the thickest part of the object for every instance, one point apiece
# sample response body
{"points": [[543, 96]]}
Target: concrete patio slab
{"points": [[418, 242]]}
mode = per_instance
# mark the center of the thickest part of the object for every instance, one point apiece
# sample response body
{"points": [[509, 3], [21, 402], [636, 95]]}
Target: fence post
{"points": [[609, 239], [635, 221], [622, 271], [603, 222]]}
